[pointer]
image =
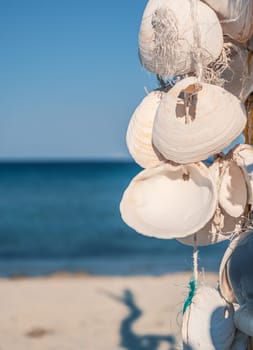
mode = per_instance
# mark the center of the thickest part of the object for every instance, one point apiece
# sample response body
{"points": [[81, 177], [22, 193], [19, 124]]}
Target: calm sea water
{"points": [[65, 217]]}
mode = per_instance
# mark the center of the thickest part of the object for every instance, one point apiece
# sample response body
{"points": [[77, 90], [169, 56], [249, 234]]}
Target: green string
{"points": [[192, 291]]}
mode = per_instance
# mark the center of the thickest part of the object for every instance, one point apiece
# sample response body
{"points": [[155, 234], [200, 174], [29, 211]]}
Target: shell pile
{"points": [[197, 182]]}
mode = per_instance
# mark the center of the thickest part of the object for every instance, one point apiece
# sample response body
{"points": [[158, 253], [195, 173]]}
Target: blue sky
{"points": [[70, 77]]}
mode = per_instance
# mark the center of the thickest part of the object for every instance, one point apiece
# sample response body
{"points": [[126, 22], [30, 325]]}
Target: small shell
{"points": [[208, 127], [239, 76], [233, 190], [243, 156], [224, 279], [218, 229], [243, 319], [139, 132], [170, 201], [235, 16], [208, 322], [167, 42]]}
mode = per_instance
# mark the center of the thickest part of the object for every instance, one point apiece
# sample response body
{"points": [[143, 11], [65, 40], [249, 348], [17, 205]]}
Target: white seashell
{"points": [[240, 342], [218, 229], [213, 126], [233, 190], [208, 322], [139, 132], [239, 76], [170, 201], [224, 280], [235, 16], [167, 41], [243, 156], [243, 319]]}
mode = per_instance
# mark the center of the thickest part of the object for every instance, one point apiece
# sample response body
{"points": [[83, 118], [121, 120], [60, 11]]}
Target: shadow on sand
{"points": [[132, 341]]}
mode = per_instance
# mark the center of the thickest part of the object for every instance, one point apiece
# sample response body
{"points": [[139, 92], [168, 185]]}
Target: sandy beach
{"points": [[68, 312]]}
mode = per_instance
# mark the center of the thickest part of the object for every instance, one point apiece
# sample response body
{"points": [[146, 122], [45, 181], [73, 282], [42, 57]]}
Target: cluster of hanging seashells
{"points": [[191, 189]]}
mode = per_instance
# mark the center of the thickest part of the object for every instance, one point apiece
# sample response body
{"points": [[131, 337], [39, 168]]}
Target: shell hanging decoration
{"points": [[191, 131], [236, 17], [207, 307], [153, 202], [197, 184], [139, 132], [167, 40]]}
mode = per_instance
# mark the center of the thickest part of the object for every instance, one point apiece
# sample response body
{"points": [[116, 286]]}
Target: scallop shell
{"points": [[243, 319], [224, 280], [170, 201], [243, 156], [233, 190], [235, 16], [239, 75], [213, 126], [167, 36], [208, 322], [218, 229], [139, 132]]}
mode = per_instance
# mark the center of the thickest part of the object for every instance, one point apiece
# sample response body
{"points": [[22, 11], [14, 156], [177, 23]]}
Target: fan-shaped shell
{"points": [[218, 229], [233, 190], [239, 76], [208, 322], [167, 41], [243, 155], [224, 280], [170, 201], [139, 132], [243, 319], [217, 119], [235, 16]]}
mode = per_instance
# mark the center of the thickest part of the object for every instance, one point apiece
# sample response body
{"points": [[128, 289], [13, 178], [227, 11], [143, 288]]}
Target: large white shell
{"points": [[243, 319], [235, 16], [233, 190], [139, 132], [239, 76], [243, 155], [170, 201], [224, 282], [208, 322], [218, 229], [167, 36], [219, 119]]}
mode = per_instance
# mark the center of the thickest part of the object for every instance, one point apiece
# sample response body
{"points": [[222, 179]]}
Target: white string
{"points": [[195, 260], [197, 54]]}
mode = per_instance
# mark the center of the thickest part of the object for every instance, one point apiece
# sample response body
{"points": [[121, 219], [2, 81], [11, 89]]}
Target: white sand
{"points": [[92, 313]]}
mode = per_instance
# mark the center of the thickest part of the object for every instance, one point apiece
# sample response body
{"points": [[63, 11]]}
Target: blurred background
{"points": [[70, 81]]}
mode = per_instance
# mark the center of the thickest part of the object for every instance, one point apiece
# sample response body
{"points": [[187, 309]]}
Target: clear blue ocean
{"points": [[65, 217]]}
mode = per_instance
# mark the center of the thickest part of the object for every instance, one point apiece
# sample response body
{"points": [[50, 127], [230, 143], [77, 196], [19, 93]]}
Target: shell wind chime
{"points": [[191, 188]]}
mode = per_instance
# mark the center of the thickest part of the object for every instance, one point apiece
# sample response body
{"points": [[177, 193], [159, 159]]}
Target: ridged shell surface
{"points": [[170, 201], [233, 190], [216, 119], [139, 132], [235, 16], [167, 36], [208, 322]]}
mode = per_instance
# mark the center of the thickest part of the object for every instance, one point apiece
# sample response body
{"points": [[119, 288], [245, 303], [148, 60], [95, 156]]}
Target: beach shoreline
{"points": [[81, 311]]}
